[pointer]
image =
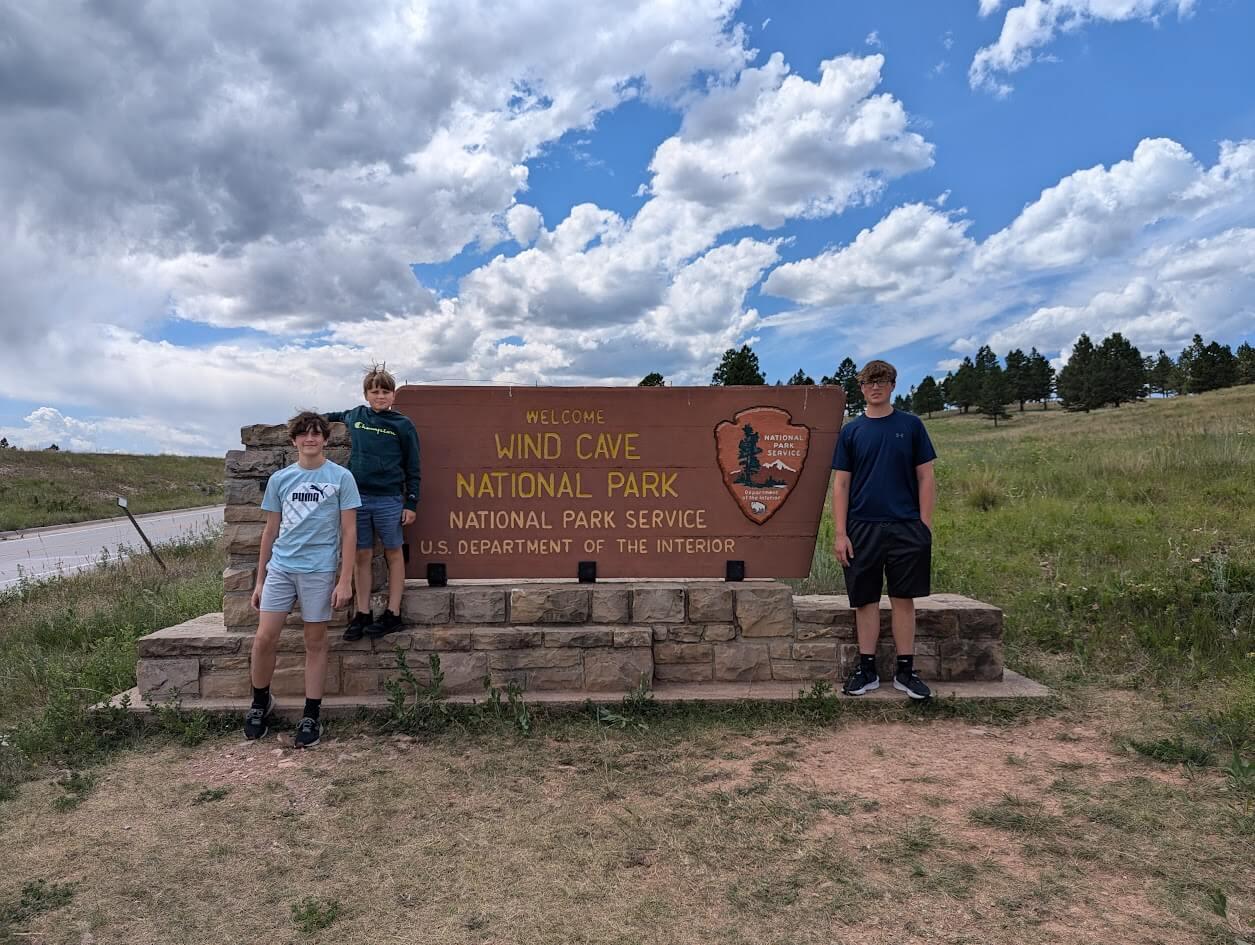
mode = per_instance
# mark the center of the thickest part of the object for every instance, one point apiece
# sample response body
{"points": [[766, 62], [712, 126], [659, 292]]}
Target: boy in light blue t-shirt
{"points": [[310, 533]]}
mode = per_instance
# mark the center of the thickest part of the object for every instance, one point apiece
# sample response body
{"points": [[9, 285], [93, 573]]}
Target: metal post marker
{"points": [[122, 506]]}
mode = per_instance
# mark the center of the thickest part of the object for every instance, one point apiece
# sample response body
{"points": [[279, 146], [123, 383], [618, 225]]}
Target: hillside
{"points": [[55, 488], [1125, 536]]}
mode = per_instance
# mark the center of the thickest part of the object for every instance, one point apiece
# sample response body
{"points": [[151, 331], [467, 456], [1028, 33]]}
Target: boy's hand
{"points": [[845, 550], [408, 516], [342, 594], [257, 596]]}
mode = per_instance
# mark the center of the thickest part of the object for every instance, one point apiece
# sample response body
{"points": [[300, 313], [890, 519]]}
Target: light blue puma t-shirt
{"points": [[309, 502]]}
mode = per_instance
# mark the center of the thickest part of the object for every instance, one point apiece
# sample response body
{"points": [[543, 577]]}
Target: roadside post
{"points": [[122, 505]]}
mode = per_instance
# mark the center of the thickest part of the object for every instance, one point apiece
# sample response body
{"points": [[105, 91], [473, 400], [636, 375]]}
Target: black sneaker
{"points": [[388, 622], [912, 685], [357, 626], [861, 681], [255, 720], [308, 732]]}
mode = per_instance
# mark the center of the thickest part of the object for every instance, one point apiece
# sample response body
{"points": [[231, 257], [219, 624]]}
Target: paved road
{"points": [[37, 554]]}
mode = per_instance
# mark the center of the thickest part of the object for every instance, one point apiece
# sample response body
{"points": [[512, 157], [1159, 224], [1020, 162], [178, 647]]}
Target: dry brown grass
{"points": [[945, 831]]}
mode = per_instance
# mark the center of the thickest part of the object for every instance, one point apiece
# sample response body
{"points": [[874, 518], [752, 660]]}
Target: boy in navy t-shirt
{"points": [[882, 510], [309, 536]]}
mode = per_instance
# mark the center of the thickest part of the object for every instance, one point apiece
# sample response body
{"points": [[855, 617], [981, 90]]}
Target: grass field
{"points": [[1123, 811], [43, 488]]}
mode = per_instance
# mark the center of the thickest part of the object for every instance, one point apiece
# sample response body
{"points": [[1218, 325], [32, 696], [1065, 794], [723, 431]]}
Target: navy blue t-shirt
{"points": [[881, 454]]}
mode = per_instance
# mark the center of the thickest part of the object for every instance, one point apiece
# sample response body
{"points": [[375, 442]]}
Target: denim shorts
{"points": [[380, 515], [312, 588]]}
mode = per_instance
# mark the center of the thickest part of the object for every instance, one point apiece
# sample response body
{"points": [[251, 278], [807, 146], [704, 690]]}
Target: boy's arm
{"points": [[343, 592], [334, 416], [268, 535], [927, 480], [840, 511], [410, 459]]}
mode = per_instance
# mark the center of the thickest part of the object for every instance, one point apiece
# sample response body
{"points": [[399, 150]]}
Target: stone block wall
{"points": [[608, 637]]}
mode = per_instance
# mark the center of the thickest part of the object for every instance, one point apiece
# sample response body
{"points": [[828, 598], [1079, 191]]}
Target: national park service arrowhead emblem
{"points": [[761, 454]]}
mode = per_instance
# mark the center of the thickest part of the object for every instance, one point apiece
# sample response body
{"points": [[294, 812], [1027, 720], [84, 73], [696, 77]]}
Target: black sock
{"points": [[867, 663], [363, 615], [312, 707], [906, 663], [261, 697]]}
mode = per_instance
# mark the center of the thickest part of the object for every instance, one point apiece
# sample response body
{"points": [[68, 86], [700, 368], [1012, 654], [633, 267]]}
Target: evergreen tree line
{"points": [[1110, 374]]}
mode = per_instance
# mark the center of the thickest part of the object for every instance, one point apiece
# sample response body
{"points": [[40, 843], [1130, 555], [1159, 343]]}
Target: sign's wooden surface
{"points": [[663, 482]]}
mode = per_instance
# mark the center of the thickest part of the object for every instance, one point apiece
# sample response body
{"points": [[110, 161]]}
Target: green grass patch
{"points": [[54, 488], [1173, 751], [35, 898]]}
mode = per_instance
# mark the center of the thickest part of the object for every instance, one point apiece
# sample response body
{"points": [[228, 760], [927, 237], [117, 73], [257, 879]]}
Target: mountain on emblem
{"points": [[761, 453]]}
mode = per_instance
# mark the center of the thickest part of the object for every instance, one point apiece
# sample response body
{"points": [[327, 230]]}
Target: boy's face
{"points": [[310, 443], [877, 392], [380, 398]]}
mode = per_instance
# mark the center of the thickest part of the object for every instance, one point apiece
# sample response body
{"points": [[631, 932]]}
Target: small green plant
{"points": [[188, 728], [209, 795], [640, 698], [604, 715], [414, 707], [76, 787], [1173, 751], [1240, 780], [37, 897], [512, 707], [313, 914], [819, 701]]}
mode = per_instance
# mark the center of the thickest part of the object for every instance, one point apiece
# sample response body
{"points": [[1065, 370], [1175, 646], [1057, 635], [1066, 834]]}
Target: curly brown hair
{"points": [[305, 421], [874, 371]]}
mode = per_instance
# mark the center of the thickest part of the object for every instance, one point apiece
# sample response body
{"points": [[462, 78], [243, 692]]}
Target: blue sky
{"points": [[266, 211]]}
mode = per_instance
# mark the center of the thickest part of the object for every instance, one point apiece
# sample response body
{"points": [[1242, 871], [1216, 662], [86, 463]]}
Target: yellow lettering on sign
{"points": [[607, 446], [520, 484], [633, 485], [528, 445]]}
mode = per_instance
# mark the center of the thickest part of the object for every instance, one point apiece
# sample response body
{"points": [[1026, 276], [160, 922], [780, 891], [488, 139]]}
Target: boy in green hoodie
{"points": [[384, 463]]}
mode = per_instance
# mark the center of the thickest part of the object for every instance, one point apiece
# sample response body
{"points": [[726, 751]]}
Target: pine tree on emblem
{"points": [[747, 457]]}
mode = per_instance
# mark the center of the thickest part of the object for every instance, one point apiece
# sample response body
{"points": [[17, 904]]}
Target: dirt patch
{"points": [[873, 832]]}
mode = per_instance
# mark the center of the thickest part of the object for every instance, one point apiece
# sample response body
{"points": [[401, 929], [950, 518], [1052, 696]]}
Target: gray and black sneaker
{"points": [[255, 720], [388, 622], [860, 681], [357, 626], [308, 732], [912, 685]]}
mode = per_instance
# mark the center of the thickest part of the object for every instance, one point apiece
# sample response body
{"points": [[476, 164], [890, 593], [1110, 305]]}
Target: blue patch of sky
{"points": [[188, 333]]}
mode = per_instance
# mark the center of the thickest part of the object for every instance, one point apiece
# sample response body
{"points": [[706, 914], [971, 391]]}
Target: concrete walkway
{"points": [[37, 554]]}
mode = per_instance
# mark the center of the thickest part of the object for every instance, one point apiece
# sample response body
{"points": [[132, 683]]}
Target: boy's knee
{"points": [[364, 555], [315, 636]]}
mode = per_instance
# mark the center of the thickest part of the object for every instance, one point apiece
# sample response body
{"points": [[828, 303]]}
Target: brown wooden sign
{"points": [[649, 482]]}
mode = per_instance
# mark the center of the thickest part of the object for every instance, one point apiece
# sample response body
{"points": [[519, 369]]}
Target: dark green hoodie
{"points": [[385, 452]]}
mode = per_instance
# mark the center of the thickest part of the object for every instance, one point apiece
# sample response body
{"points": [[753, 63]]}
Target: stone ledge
{"points": [[1012, 686]]}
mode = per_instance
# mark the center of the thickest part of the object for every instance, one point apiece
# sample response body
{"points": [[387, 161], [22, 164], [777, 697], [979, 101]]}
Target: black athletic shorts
{"points": [[899, 551]]}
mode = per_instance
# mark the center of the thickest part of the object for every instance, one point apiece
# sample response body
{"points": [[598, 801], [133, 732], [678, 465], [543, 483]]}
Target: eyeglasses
{"points": [[877, 384]]}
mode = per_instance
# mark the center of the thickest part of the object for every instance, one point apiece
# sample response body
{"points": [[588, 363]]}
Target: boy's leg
{"points": [[315, 660], [388, 527], [396, 577], [864, 577], [908, 569], [362, 578], [266, 648]]}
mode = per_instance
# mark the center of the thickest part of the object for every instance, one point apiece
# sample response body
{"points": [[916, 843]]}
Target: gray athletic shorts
{"points": [[312, 588]]}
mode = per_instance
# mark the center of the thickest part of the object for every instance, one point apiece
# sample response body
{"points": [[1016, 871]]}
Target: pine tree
{"points": [[652, 379], [902, 402], [965, 386], [738, 367], [1076, 387], [946, 388], [846, 377], [1120, 374], [1042, 378], [1019, 377], [800, 379], [993, 394], [1224, 364], [1160, 375], [927, 397], [1208, 366], [985, 362], [1246, 364], [747, 456]]}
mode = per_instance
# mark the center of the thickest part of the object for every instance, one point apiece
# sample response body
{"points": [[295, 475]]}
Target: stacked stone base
{"points": [[603, 638]]}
